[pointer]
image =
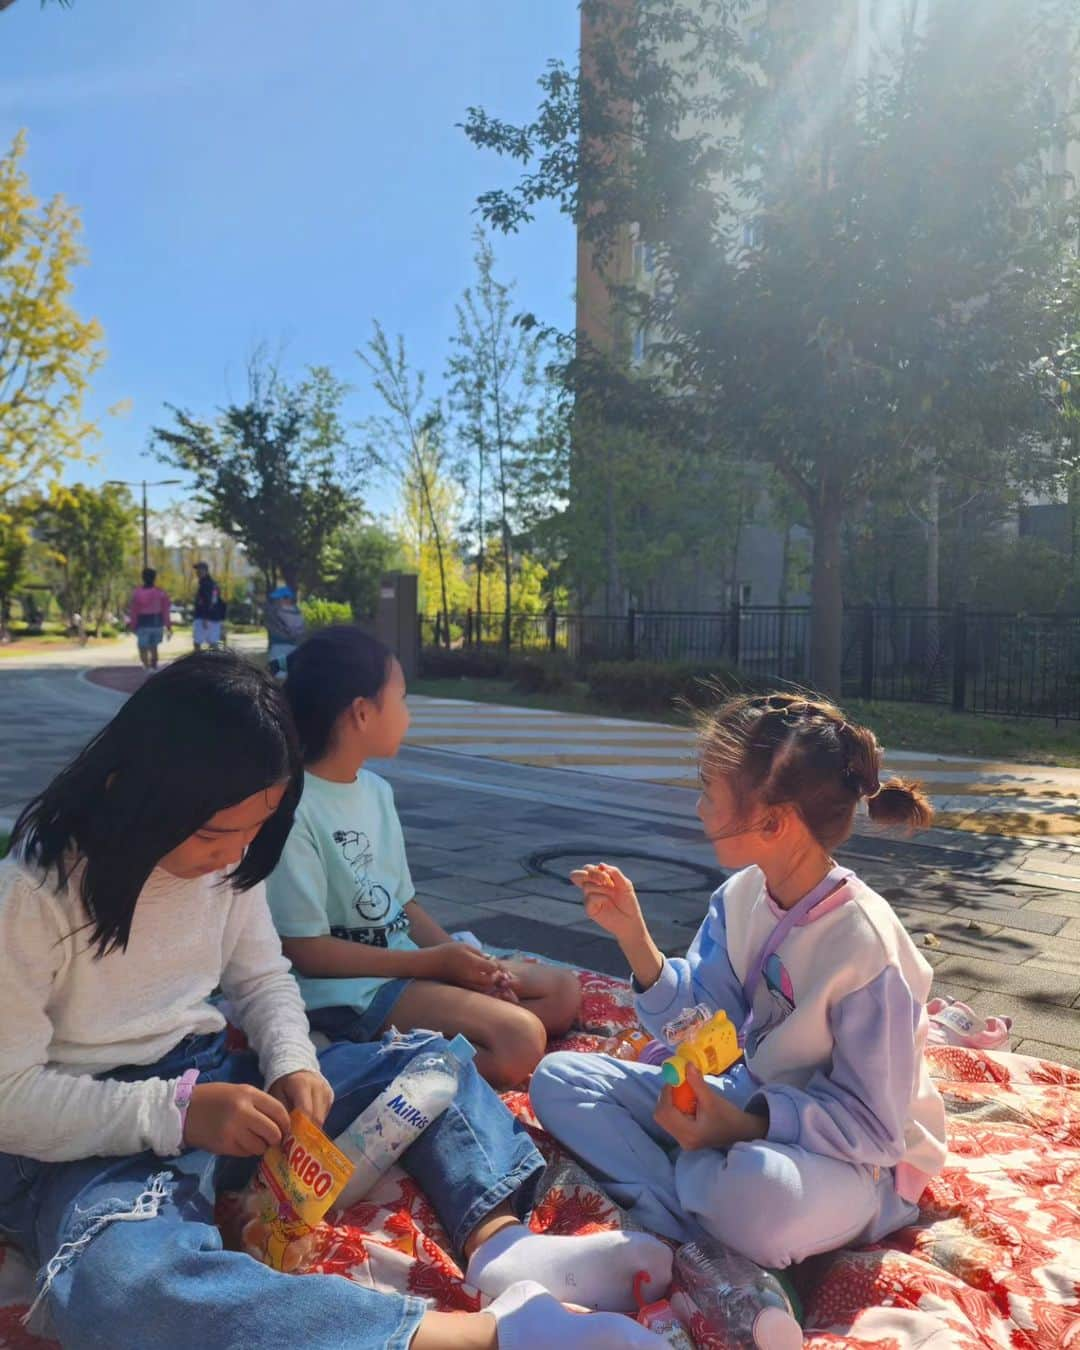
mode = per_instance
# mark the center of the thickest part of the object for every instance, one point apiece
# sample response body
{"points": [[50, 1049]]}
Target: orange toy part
{"points": [[684, 1098]]}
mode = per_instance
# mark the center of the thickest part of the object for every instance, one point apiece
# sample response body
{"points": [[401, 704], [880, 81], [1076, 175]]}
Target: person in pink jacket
{"points": [[148, 617]]}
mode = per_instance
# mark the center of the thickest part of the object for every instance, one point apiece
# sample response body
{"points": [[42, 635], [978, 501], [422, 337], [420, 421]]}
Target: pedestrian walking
{"points": [[149, 617], [206, 630]]}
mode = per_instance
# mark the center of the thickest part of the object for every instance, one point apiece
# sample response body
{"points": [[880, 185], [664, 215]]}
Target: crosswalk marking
{"points": [[978, 795]]}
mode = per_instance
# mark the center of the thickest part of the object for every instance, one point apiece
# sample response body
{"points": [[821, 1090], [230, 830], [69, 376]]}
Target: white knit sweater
{"points": [[66, 1017]]}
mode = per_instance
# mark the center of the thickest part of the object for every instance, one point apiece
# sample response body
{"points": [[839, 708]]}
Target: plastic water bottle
{"points": [[400, 1113], [742, 1305]]}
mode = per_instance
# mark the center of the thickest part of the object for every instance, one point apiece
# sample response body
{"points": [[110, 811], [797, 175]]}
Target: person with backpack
{"points": [[284, 628], [206, 630]]}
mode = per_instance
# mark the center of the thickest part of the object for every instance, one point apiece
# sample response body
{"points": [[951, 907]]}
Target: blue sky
{"points": [[262, 170]]}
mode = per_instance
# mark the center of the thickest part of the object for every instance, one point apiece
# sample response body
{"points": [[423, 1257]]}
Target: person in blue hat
{"points": [[284, 627]]}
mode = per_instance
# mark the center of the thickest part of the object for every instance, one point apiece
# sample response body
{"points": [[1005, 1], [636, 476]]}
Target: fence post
{"points": [[735, 631], [960, 662], [631, 634], [552, 628], [468, 627], [866, 644]]}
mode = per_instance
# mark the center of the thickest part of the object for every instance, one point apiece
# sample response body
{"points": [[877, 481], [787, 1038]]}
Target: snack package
{"points": [[295, 1185], [629, 1045], [660, 1317]]}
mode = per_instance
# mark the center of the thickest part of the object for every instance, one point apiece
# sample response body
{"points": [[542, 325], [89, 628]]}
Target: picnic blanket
{"points": [[993, 1262]]}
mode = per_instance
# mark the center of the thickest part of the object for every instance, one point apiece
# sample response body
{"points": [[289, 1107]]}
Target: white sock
{"points": [[596, 1270], [528, 1318]]}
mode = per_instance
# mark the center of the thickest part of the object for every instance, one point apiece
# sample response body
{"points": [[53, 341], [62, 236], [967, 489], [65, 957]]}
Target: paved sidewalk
{"points": [[491, 842], [977, 796], [119, 652], [491, 847]]}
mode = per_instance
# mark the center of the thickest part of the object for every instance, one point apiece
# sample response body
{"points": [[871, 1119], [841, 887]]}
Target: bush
{"points": [[649, 685], [322, 613], [457, 663], [546, 674]]}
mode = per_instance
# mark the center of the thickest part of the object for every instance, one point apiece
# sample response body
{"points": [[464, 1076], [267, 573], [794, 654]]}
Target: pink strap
{"points": [[182, 1099], [799, 914]]}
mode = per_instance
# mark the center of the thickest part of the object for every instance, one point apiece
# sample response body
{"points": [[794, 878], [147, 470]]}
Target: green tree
{"points": [[14, 550], [496, 391], [278, 473], [91, 533], [358, 555], [47, 352], [408, 439], [429, 508], [855, 282]]}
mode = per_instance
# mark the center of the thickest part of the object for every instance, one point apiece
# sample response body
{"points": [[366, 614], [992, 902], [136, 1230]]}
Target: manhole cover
{"points": [[650, 873]]}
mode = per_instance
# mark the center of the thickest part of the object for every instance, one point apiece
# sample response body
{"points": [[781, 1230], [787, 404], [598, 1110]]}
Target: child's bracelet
{"points": [[184, 1088]]}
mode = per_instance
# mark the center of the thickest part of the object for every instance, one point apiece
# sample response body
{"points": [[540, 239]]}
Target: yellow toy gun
{"points": [[711, 1046]]}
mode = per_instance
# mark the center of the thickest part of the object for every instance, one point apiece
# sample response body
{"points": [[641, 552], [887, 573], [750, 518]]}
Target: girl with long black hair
{"points": [[135, 891]]}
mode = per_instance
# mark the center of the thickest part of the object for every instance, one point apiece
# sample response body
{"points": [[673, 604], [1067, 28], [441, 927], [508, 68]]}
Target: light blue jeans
{"points": [[775, 1203], [166, 1282]]}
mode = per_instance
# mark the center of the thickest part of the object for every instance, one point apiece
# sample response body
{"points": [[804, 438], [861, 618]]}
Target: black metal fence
{"points": [[1019, 665]]}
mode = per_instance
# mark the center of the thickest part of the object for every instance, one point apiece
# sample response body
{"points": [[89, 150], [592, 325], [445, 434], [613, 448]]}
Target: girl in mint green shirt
{"points": [[365, 952]]}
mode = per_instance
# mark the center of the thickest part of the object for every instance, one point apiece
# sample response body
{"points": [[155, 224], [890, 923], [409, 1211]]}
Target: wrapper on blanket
{"points": [[994, 1262]]}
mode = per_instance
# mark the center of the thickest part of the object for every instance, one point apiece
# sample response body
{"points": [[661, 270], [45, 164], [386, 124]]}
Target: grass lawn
{"points": [[899, 726]]}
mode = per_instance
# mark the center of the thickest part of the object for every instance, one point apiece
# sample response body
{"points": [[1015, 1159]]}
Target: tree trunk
{"points": [[507, 585], [933, 541], [481, 555], [1073, 595], [826, 595], [614, 579], [440, 559]]}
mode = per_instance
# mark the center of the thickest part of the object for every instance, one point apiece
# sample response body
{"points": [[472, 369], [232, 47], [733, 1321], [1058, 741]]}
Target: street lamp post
{"points": [[163, 482]]}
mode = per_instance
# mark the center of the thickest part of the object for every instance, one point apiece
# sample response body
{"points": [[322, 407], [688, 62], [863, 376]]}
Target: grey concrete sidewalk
{"points": [[491, 844], [491, 847]]}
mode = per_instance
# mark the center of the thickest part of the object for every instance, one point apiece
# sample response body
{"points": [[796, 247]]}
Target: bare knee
{"points": [[562, 1004], [518, 1042]]}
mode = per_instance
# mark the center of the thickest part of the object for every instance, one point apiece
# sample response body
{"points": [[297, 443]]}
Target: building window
{"points": [[644, 259], [751, 233], [638, 350], [745, 591]]}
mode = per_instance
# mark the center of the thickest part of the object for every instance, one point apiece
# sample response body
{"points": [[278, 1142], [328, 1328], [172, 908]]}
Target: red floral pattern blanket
{"points": [[994, 1262]]}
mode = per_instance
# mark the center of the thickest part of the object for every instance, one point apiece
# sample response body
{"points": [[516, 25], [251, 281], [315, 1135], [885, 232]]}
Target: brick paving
{"points": [[490, 843]]}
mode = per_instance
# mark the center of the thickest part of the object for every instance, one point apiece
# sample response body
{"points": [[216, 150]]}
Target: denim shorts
{"points": [[359, 1024], [150, 636]]}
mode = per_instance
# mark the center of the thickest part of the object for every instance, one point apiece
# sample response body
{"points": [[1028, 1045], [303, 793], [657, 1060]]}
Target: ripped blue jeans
{"points": [[165, 1281]]}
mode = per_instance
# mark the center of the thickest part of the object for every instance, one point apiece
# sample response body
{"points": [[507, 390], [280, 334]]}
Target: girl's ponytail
{"points": [[896, 802]]}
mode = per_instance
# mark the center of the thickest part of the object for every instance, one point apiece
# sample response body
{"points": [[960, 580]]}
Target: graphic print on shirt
{"points": [[371, 902], [781, 1000]]}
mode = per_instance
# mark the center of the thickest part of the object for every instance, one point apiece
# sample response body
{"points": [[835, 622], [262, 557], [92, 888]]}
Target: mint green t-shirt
{"points": [[343, 872]]}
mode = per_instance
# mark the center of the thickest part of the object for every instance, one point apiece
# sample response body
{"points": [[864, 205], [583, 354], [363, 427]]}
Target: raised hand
{"points": [[610, 900]]}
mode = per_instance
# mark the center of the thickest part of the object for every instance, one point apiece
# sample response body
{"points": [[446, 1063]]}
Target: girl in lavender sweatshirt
{"points": [[828, 1129]]}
